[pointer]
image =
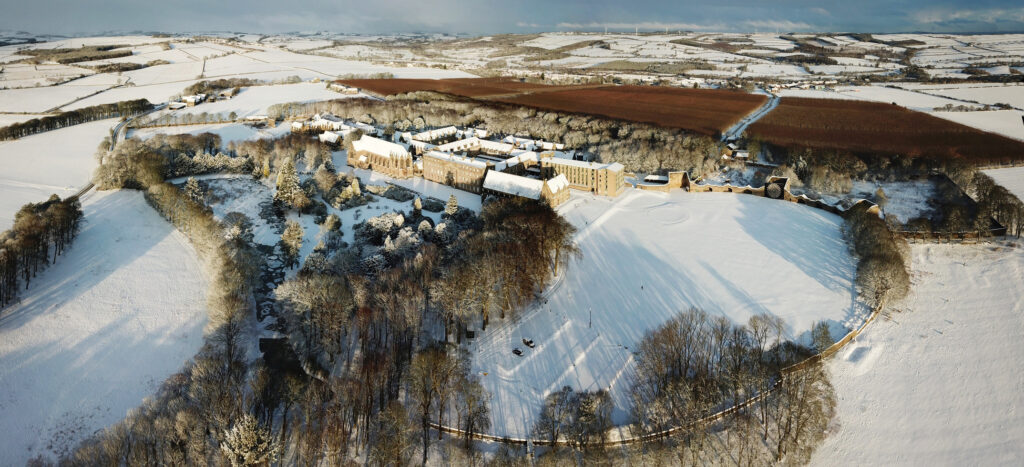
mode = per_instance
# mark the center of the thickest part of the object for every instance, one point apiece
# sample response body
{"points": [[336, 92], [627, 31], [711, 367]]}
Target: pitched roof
{"points": [[513, 184], [379, 147], [457, 159]]}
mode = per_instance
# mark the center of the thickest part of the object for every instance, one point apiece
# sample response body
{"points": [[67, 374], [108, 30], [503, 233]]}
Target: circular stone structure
{"points": [[647, 256]]}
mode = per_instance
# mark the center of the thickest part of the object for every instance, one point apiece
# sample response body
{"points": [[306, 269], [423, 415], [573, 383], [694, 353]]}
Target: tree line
{"points": [[75, 117], [41, 232]]}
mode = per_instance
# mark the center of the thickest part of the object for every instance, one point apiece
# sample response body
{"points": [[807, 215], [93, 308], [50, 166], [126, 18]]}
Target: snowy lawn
{"points": [[100, 330], [647, 256], [59, 161], [942, 382]]}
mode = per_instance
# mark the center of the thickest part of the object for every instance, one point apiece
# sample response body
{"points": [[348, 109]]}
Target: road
{"points": [[737, 130]]}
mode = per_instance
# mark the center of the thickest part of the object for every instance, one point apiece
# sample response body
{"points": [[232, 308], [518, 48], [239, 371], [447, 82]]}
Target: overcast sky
{"points": [[521, 16]]}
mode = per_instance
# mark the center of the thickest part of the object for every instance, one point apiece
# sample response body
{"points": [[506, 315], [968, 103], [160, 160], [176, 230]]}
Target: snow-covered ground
{"points": [[255, 100], [647, 256], [1002, 122], [34, 167], [228, 132], [98, 331], [942, 382], [1012, 179]]}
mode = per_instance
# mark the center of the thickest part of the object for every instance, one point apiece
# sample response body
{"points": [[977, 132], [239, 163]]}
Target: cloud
{"points": [[646, 25], [988, 15], [785, 25], [527, 25]]}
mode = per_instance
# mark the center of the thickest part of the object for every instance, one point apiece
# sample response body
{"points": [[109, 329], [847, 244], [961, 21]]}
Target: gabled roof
{"points": [[456, 159], [514, 184], [379, 147]]}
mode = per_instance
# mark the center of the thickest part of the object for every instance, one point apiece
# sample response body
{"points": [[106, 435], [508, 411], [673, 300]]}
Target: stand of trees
{"points": [[75, 117], [882, 266], [695, 365], [996, 201], [41, 231]]}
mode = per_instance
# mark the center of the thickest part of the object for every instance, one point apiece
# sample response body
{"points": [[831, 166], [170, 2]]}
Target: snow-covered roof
{"points": [[514, 184], [435, 134], [558, 183], [458, 159], [614, 167], [329, 137], [328, 117], [531, 144], [421, 145], [474, 143], [379, 147], [519, 158]]}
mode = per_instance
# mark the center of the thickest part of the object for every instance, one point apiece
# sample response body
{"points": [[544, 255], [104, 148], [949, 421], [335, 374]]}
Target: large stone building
{"points": [[381, 156], [554, 191], [602, 179], [464, 173]]}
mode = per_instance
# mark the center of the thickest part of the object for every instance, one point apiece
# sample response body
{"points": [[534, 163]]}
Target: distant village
{"points": [[471, 160]]}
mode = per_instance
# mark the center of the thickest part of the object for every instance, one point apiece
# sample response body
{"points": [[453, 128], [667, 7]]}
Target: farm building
{"points": [[601, 179], [464, 173], [554, 191], [381, 156]]}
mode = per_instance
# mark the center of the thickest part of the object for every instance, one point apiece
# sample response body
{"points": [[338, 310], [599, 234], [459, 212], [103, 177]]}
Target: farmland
{"points": [[868, 127], [704, 111]]}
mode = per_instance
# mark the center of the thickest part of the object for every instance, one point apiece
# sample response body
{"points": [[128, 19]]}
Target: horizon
{"points": [[389, 17]]}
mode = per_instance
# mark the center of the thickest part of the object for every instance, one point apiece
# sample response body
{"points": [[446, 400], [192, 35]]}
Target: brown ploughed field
{"points": [[871, 127]]}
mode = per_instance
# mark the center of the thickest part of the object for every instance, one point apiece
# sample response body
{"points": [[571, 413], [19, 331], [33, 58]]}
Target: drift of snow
{"points": [[647, 256], [939, 383], [98, 331]]}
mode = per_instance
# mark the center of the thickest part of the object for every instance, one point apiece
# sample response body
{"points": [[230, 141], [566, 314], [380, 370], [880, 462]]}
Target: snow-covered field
{"points": [[99, 331], [1002, 122], [255, 100], [1012, 179], [647, 256], [942, 382], [34, 167]]}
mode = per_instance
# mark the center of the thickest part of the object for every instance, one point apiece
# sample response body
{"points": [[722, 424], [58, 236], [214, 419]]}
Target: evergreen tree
{"points": [[452, 207], [249, 443], [291, 243], [417, 207], [288, 189], [193, 190]]}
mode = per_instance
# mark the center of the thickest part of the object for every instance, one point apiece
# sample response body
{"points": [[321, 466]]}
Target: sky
{"points": [[479, 17]]}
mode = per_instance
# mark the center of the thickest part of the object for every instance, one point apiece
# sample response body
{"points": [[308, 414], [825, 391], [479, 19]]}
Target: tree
{"points": [[452, 207], [193, 190], [391, 443], [288, 189], [880, 198], [417, 207], [291, 243], [249, 443]]}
